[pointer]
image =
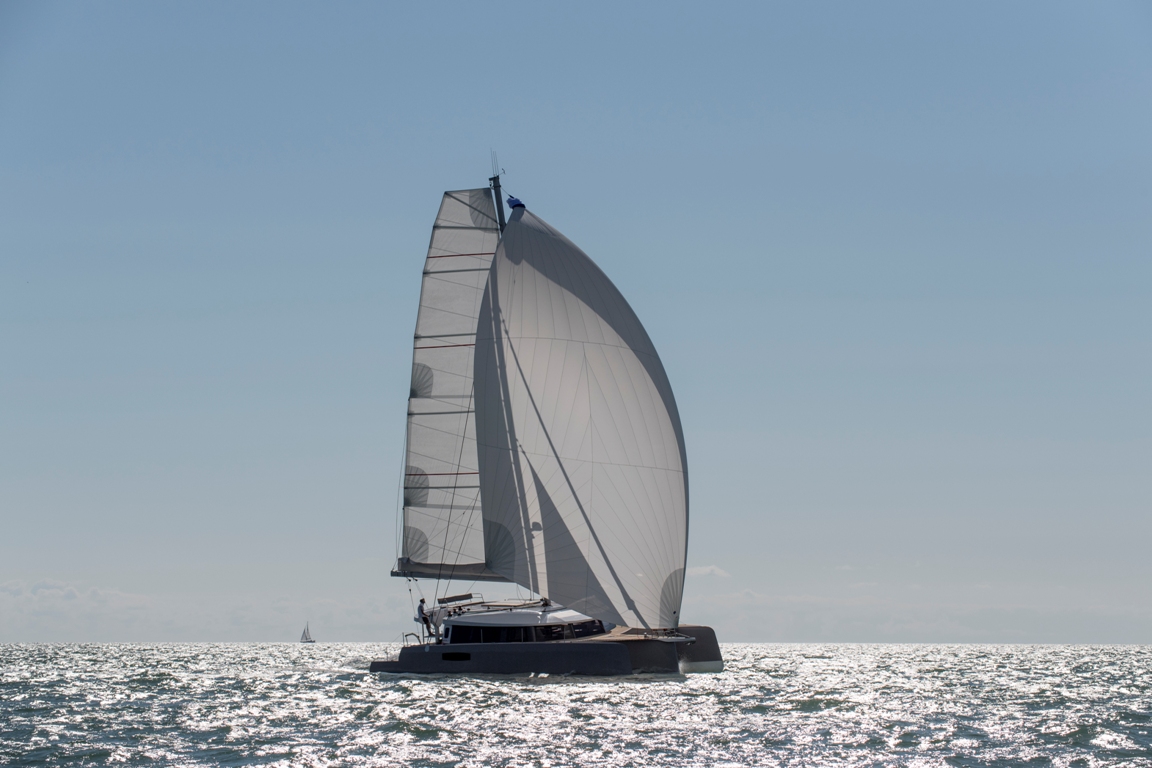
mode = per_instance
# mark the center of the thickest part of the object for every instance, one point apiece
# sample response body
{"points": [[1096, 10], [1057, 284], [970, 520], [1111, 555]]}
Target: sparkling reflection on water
{"points": [[794, 705]]}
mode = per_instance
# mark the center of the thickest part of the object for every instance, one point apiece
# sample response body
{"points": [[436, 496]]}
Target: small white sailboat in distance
{"points": [[306, 637]]}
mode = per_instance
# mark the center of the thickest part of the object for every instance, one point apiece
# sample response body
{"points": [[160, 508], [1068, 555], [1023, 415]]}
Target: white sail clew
{"points": [[443, 533], [582, 465]]}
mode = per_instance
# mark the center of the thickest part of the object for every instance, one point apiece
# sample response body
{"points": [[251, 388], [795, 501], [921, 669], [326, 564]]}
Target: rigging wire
{"points": [[455, 484]]}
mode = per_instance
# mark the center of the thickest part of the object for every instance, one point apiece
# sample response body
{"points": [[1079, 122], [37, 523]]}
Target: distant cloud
{"points": [[749, 616], [48, 609], [58, 611], [708, 570]]}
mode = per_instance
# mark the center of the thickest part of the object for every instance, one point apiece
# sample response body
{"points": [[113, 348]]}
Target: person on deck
{"points": [[422, 614]]}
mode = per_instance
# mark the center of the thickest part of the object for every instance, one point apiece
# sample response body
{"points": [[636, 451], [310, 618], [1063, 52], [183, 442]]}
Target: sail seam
{"points": [[628, 601], [626, 422]]}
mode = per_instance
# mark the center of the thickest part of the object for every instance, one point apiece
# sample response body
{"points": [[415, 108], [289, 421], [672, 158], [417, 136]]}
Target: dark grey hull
{"points": [[703, 655], [557, 658], [618, 656]]}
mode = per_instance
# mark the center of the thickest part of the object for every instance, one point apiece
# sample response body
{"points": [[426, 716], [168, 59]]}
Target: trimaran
{"points": [[544, 448]]}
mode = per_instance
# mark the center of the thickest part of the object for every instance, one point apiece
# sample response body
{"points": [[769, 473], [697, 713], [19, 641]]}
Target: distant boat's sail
{"points": [[582, 464], [443, 535], [306, 637]]}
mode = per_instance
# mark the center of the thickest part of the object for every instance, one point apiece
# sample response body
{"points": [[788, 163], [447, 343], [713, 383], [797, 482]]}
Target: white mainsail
{"points": [[582, 466], [442, 524]]}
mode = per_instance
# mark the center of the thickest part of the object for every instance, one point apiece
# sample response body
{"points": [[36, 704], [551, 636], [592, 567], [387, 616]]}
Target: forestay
{"points": [[442, 533], [582, 465]]}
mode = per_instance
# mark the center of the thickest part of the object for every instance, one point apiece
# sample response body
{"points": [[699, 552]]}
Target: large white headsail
{"points": [[583, 471], [443, 534]]}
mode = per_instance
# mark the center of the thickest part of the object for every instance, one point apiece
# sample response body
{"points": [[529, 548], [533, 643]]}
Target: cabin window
{"points": [[462, 633], [553, 632], [586, 628], [502, 635]]}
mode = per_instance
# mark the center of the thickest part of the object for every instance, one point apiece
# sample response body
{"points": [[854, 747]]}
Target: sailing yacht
{"points": [[544, 449], [306, 636]]}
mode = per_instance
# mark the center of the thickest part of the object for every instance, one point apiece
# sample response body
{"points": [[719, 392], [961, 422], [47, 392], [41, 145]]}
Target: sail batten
{"points": [[463, 572]]}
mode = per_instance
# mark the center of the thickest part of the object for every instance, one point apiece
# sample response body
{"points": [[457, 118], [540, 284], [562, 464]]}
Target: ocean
{"points": [[775, 705]]}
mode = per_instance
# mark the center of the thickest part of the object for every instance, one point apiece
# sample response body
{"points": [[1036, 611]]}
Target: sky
{"points": [[895, 257]]}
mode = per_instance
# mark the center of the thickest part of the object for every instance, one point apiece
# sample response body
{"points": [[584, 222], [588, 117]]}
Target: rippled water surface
{"points": [[775, 705]]}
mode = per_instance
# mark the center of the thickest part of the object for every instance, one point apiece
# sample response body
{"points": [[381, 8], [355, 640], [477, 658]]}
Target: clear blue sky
{"points": [[896, 257]]}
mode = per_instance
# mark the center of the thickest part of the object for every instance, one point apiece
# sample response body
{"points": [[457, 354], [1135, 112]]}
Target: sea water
{"points": [[788, 705]]}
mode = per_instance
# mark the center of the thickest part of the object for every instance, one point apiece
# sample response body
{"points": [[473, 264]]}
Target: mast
{"points": [[495, 182]]}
